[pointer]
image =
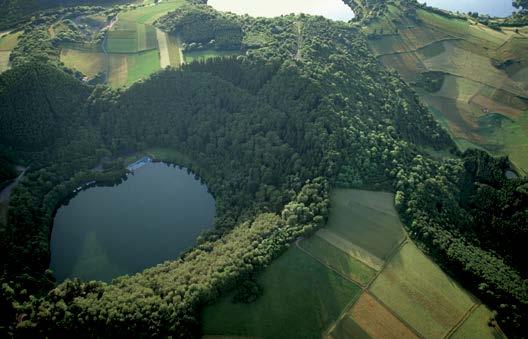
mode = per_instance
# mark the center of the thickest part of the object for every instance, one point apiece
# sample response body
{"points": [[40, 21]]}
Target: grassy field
{"points": [[9, 41], [207, 54], [425, 297], [301, 299], [475, 326], [4, 60], [141, 65], [89, 63], [361, 216], [338, 260], [125, 69]]}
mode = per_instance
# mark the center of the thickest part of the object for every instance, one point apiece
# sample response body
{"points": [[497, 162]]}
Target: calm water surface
{"points": [[105, 232], [500, 8], [332, 9]]}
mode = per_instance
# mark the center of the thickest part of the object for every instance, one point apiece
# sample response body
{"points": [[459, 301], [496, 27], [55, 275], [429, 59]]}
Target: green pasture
{"points": [[301, 299], [9, 41], [421, 293], [141, 65]]}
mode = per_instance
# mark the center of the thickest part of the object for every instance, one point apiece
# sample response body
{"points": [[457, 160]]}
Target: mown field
{"points": [[486, 73], [318, 288]]}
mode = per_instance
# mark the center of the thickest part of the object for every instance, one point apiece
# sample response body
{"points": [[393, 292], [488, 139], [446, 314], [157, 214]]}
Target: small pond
{"points": [[105, 232], [499, 8], [331, 9]]}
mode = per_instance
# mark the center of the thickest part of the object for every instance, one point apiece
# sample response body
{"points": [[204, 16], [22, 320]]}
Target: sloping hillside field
{"points": [[483, 75], [396, 293]]}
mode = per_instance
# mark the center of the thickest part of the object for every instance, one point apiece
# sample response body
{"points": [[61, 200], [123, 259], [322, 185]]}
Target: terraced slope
{"points": [[481, 90]]}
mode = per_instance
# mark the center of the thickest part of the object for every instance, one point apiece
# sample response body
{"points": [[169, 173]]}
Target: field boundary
{"points": [[351, 249], [462, 320], [352, 280]]}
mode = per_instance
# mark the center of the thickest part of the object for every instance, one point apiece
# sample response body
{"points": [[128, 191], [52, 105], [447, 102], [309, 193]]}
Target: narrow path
{"points": [[163, 47], [5, 194], [298, 54], [462, 320]]}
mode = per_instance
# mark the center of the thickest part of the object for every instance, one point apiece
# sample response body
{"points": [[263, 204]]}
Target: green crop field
{"points": [[476, 326], [207, 54], [338, 260], [361, 216], [89, 63], [301, 299], [419, 292], [141, 65]]}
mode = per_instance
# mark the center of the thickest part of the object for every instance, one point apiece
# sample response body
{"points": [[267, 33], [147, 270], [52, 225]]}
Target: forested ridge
{"points": [[271, 133]]}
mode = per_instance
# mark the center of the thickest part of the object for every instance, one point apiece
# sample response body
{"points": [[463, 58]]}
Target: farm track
{"points": [[462, 319], [419, 48]]}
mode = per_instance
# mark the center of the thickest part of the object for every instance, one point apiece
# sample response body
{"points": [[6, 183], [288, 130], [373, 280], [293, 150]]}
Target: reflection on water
{"points": [[105, 232], [500, 8], [332, 9]]}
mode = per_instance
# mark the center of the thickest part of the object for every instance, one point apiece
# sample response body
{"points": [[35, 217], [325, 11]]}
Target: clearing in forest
{"points": [[421, 293], [88, 62], [207, 54], [301, 299]]}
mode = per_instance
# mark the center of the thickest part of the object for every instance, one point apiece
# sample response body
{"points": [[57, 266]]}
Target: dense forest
{"points": [[270, 132]]}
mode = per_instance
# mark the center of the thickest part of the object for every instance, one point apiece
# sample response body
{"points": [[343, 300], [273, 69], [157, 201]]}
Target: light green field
{"points": [[419, 292], [360, 217], [125, 69], [207, 54], [89, 63], [9, 41], [476, 326], [338, 260], [4, 60], [141, 65], [301, 299], [150, 13], [175, 53]]}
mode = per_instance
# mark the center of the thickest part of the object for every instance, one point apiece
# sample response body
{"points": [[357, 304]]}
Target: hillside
{"points": [[292, 122], [470, 73]]}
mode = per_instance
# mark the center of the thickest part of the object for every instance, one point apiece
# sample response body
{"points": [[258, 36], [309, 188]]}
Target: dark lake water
{"points": [[332, 9], [500, 8], [105, 232]]}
